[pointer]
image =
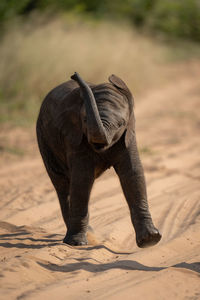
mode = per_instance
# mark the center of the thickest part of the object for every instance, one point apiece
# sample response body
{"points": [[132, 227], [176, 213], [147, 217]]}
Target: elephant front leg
{"points": [[131, 175], [82, 178]]}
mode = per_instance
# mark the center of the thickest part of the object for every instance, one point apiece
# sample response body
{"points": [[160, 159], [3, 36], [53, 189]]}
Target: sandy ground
{"points": [[36, 264]]}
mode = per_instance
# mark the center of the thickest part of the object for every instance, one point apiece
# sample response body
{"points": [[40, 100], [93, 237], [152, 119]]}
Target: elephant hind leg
{"points": [[58, 178], [61, 185]]}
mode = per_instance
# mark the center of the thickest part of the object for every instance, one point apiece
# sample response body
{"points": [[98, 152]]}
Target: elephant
{"points": [[82, 130]]}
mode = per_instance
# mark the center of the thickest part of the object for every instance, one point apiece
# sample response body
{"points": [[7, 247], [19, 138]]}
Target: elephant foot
{"points": [[147, 237], [78, 239]]}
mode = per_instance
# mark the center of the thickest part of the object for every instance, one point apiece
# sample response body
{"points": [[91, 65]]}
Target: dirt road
{"points": [[35, 264]]}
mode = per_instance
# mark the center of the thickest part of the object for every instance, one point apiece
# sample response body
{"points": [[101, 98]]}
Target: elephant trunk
{"points": [[95, 129]]}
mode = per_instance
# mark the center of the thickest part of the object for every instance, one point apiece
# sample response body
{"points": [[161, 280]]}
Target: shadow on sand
{"points": [[83, 264], [9, 240]]}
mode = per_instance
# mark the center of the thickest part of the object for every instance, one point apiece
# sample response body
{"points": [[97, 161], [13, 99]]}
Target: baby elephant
{"points": [[82, 130]]}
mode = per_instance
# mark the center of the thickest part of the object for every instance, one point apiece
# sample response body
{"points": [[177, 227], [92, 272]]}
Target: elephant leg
{"points": [[81, 181], [61, 185], [131, 175], [57, 175]]}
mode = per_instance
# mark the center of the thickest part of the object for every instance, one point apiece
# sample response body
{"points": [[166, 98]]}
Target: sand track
{"points": [[36, 264]]}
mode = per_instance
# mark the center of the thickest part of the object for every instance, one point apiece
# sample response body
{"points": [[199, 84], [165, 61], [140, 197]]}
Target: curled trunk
{"points": [[95, 129]]}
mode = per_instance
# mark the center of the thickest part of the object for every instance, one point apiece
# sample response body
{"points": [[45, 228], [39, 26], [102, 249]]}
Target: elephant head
{"points": [[107, 111]]}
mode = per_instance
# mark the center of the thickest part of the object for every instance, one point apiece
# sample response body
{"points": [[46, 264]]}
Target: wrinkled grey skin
{"points": [[82, 130]]}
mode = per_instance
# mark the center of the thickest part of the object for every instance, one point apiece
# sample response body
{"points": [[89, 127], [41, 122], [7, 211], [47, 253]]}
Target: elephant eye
{"points": [[121, 123], [84, 119]]}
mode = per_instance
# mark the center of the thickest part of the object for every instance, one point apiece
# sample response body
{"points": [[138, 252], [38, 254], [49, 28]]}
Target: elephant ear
{"points": [[130, 130], [121, 85], [68, 120]]}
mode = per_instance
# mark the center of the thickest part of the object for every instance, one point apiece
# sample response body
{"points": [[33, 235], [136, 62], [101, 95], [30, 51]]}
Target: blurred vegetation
{"points": [[44, 41], [40, 53], [177, 18]]}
